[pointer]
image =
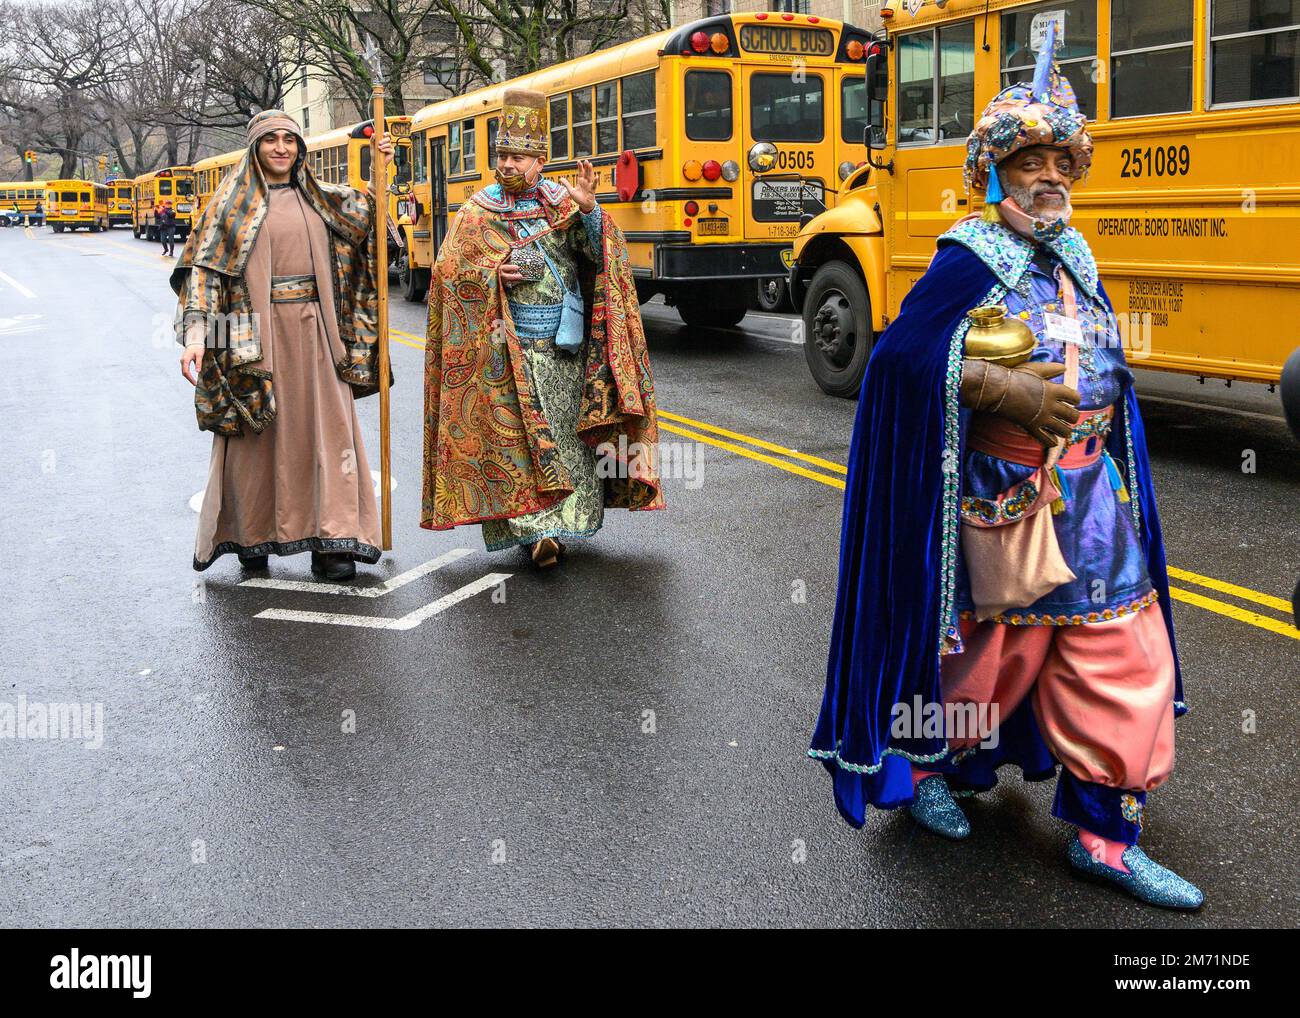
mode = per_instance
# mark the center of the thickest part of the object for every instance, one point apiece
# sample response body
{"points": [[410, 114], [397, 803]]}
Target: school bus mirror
{"points": [[877, 75], [875, 132]]}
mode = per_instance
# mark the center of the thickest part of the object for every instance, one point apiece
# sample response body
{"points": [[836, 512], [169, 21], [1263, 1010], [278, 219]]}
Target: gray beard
{"points": [[1024, 197]]}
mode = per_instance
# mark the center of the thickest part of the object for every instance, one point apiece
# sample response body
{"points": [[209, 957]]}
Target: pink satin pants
{"points": [[1102, 692]]}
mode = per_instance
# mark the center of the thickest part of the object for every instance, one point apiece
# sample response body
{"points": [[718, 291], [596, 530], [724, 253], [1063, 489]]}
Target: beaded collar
{"points": [[1008, 254], [495, 198]]}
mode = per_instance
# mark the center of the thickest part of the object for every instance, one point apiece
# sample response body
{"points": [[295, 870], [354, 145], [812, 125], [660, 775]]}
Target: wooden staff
{"points": [[379, 174]]}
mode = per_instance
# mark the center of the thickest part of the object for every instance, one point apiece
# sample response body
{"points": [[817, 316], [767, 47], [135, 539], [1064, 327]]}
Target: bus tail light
{"points": [[719, 43], [700, 42], [691, 169], [712, 170], [730, 170], [854, 50], [691, 208]]}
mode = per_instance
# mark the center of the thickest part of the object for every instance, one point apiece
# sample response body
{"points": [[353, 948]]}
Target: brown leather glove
{"points": [[1023, 395]]}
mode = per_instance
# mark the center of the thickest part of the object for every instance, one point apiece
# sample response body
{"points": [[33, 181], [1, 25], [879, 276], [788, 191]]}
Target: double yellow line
{"points": [[832, 475]]}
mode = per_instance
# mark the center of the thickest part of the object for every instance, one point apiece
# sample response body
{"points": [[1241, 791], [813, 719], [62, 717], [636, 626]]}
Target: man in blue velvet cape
{"points": [[1079, 669]]}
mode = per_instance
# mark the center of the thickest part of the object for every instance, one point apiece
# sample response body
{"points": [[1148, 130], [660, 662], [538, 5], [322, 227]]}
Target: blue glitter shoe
{"points": [[1146, 880], [935, 809]]}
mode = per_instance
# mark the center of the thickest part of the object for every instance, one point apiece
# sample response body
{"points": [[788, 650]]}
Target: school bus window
{"points": [[494, 124], [560, 127], [708, 105], [607, 117], [1151, 57], [1024, 31], [365, 161], [853, 110], [956, 81], [1255, 51], [184, 186], [782, 109], [468, 155], [916, 88], [164, 186], [582, 122], [453, 149], [69, 196], [342, 154], [638, 105], [419, 158]]}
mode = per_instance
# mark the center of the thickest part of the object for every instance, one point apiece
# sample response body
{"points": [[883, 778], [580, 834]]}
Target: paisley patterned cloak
{"points": [[490, 452]]}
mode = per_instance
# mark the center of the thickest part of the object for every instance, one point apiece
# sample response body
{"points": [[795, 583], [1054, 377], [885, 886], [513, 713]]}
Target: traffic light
{"points": [[29, 156], [103, 163]]}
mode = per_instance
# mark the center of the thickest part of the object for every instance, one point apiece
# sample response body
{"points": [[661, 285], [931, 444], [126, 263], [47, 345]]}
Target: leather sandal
{"points": [[546, 553]]}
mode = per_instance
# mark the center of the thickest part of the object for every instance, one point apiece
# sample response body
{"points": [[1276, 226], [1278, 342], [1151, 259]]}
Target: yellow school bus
{"points": [[70, 204], [209, 173], [1190, 206], [172, 183], [710, 141], [120, 204], [22, 195]]}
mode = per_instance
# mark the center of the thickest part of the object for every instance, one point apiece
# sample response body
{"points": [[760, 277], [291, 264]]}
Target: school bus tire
{"points": [[58, 227], [705, 314], [414, 282], [837, 329], [771, 295]]}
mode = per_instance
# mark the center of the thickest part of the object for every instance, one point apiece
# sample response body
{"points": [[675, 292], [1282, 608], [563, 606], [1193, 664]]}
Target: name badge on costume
{"points": [[1062, 329]]}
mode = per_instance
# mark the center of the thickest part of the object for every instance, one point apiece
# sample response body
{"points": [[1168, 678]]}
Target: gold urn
{"points": [[993, 336]]}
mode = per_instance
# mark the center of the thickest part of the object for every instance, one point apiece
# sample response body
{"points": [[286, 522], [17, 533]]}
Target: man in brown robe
{"points": [[277, 311]]}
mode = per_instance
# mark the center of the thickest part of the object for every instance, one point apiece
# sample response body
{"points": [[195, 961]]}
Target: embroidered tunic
{"points": [[303, 483], [555, 375], [1096, 531]]}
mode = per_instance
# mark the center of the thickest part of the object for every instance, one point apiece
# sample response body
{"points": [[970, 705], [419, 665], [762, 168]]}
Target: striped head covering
{"points": [[267, 121]]}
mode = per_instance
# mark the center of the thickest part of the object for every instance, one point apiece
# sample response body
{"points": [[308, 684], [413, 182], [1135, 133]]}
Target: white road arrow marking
{"points": [[407, 621], [379, 590]]}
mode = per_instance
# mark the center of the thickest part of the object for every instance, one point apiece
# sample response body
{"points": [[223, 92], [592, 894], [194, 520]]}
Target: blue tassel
{"points": [[994, 194]]}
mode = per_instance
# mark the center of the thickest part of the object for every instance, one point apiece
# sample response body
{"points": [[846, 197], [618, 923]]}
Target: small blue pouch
{"points": [[570, 333]]}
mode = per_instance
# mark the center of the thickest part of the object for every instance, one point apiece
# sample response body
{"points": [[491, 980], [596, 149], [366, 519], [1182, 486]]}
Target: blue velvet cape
{"points": [[899, 542]]}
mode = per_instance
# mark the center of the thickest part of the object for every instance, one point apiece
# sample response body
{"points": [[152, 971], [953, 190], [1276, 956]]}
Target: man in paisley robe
{"points": [[539, 402], [1001, 555]]}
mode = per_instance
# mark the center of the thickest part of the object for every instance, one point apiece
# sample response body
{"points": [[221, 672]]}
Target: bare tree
{"points": [[57, 57], [332, 36]]}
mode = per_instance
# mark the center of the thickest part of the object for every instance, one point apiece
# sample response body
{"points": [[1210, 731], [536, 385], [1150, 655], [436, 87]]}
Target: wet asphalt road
{"points": [[501, 770]]}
